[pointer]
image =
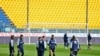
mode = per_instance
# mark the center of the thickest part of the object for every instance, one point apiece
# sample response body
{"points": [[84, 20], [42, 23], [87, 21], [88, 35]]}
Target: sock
{"points": [[53, 54], [49, 54]]}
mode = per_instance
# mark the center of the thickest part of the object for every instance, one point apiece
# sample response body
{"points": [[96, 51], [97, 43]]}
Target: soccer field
{"points": [[30, 50]]}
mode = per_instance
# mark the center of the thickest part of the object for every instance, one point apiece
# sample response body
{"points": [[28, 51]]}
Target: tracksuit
{"points": [[52, 45], [65, 40], [74, 47], [20, 47], [89, 38], [11, 47], [41, 46]]}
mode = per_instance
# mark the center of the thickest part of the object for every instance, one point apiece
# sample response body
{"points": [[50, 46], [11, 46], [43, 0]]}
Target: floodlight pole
{"points": [[27, 12], [28, 28], [87, 19], [87, 16]]}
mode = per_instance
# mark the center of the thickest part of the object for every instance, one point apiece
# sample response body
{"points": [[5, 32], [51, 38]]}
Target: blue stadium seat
{"points": [[4, 21]]}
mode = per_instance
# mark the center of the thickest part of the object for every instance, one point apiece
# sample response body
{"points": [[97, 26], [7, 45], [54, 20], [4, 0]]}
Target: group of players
{"points": [[20, 44], [41, 45], [73, 42]]}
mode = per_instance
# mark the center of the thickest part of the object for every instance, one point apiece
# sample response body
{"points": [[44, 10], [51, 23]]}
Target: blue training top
{"points": [[52, 43], [65, 38], [74, 45], [21, 42]]}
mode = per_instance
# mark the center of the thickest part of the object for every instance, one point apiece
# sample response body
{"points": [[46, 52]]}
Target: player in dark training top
{"points": [[20, 46], [52, 46]]}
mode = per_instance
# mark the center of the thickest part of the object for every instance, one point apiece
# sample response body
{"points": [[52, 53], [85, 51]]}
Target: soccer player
{"points": [[74, 46], [44, 40], [20, 46], [11, 46], [41, 46], [65, 38], [39, 38], [52, 45], [89, 41]]}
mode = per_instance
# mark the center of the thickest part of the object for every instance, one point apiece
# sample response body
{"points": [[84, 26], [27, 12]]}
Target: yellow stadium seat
{"points": [[52, 11]]}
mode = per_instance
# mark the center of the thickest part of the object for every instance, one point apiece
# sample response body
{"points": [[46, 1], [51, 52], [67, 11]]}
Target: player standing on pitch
{"points": [[40, 46], [20, 46], [74, 46], [89, 40], [65, 38], [52, 45], [44, 40], [11, 46], [37, 46]]}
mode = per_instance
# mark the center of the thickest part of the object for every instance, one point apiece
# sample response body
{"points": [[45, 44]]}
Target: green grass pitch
{"points": [[30, 50]]}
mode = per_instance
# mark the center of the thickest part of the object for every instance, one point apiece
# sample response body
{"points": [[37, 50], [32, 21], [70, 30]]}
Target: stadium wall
{"points": [[32, 37]]}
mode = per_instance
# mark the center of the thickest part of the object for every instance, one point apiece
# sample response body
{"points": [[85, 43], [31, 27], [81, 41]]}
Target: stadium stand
{"points": [[3, 17], [4, 21], [52, 11], [16, 11]]}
